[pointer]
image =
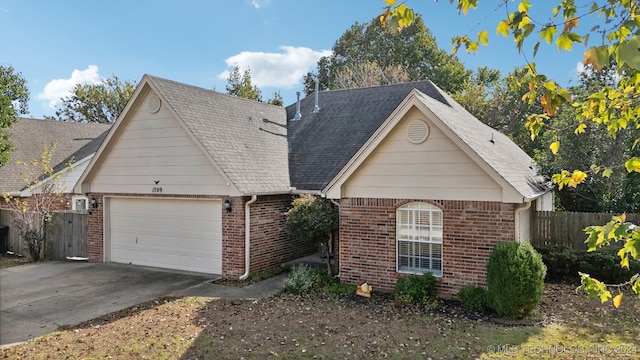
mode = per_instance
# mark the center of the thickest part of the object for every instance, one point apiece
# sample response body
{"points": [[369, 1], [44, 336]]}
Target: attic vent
{"points": [[417, 132], [153, 104]]}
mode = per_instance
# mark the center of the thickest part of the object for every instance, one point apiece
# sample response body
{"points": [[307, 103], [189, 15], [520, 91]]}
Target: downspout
{"points": [[525, 207], [338, 205], [247, 237]]}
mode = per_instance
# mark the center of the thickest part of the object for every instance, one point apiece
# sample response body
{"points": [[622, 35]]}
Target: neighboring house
{"points": [[75, 143], [196, 180]]}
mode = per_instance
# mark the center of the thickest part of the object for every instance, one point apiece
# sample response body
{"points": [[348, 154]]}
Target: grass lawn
{"points": [[343, 327]]}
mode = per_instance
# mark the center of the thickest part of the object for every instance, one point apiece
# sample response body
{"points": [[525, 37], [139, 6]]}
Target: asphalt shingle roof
{"points": [[322, 143], [73, 141], [246, 139], [495, 148]]}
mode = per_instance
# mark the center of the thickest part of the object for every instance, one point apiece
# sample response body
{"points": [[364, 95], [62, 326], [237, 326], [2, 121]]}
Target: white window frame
{"points": [[75, 198], [415, 235]]}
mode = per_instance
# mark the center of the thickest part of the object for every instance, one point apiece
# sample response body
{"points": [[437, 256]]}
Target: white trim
{"points": [[418, 207], [75, 198]]}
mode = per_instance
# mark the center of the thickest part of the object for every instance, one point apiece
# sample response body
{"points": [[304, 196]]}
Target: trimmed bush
{"points": [[561, 261], [301, 280], [415, 289], [473, 298], [515, 279]]}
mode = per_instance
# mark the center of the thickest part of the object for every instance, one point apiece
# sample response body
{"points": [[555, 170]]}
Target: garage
{"points": [[181, 234]]}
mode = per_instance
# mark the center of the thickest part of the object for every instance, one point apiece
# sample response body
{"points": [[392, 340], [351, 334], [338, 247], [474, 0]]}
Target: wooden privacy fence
{"points": [[567, 228], [66, 234]]}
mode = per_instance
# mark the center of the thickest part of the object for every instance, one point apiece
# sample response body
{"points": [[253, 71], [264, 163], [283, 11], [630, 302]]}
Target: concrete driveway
{"points": [[36, 299]]}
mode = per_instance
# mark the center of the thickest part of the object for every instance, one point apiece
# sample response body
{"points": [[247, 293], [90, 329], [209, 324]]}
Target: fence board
{"points": [[67, 234], [567, 228]]}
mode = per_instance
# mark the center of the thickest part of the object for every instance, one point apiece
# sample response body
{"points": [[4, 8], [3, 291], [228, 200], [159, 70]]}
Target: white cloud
{"points": [[260, 3], [61, 88], [580, 67], [279, 70]]}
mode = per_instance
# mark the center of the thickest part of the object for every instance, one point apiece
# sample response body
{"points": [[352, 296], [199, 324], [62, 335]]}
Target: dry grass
{"points": [[342, 327]]}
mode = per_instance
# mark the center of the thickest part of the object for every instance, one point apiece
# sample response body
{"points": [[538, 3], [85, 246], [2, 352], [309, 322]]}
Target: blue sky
{"points": [[56, 44]]}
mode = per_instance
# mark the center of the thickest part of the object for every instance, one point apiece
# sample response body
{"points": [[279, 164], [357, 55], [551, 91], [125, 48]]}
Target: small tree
{"points": [[312, 218], [31, 217]]}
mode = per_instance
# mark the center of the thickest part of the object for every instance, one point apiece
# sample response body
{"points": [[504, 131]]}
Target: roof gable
{"points": [[243, 139], [322, 143], [498, 155], [74, 141]]}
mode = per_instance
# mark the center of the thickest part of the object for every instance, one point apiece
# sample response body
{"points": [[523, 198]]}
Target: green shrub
{"points": [[515, 279], [604, 265], [301, 279], [415, 289], [473, 298], [340, 288], [564, 262]]}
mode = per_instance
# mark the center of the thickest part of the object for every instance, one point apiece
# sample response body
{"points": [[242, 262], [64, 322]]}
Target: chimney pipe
{"points": [[298, 116], [316, 108]]}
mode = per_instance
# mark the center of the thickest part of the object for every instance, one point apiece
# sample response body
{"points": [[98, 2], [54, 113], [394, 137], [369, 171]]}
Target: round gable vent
{"points": [[417, 132], [153, 104]]}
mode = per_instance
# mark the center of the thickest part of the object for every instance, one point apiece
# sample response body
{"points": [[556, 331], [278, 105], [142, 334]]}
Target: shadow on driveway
{"points": [[36, 299]]}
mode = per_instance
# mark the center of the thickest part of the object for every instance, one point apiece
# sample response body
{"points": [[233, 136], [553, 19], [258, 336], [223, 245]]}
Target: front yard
{"points": [[345, 326]]}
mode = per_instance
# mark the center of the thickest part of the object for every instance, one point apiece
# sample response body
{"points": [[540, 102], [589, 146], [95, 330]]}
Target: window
{"points": [[419, 239], [79, 203]]}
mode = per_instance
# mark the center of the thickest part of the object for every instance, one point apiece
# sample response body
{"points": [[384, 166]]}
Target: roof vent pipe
{"points": [[298, 116], [316, 108]]}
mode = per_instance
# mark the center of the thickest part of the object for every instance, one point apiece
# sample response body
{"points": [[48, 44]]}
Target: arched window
{"points": [[419, 239]]}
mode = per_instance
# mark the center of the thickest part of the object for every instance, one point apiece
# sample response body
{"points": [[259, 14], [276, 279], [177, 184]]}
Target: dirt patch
{"points": [[323, 326], [9, 260]]}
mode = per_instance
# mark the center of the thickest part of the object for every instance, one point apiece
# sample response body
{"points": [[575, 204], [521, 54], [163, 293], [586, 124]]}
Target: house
{"points": [[75, 144], [196, 180]]}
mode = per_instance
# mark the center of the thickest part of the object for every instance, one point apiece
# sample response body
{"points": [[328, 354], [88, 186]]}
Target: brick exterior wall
{"points": [[471, 229], [270, 244]]}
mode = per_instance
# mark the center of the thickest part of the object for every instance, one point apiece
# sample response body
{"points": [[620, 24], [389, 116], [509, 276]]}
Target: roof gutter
{"points": [[517, 213], [247, 237]]}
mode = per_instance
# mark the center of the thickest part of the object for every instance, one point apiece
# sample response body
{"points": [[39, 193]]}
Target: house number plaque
{"points": [[156, 189]]}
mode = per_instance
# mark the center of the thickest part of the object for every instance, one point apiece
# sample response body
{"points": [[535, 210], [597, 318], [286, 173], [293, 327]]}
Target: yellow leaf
{"points": [[554, 147], [483, 37], [576, 178], [580, 129], [617, 300], [390, 2], [503, 28]]}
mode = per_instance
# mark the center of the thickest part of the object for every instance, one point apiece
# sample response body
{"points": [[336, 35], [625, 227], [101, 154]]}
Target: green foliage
{"points": [[312, 219], [14, 98], [301, 279], [365, 46], [99, 103], [515, 279], [415, 289], [562, 262], [335, 287], [473, 298], [241, 86]]}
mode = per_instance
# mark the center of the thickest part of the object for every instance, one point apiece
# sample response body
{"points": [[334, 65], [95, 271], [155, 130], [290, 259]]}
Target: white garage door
{"points": [[168, 233]]}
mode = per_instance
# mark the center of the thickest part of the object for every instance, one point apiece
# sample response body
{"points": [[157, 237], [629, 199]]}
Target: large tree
{"points": [[241, 85], [615, 28], [97, 103], [14, 98], [413, 51]]}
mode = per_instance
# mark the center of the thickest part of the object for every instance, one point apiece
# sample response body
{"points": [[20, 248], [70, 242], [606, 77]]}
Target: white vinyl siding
{"points": [[419, 239], [182, 234], [434, 169], [155, 147]]}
